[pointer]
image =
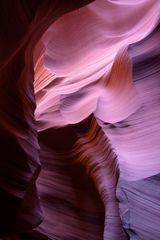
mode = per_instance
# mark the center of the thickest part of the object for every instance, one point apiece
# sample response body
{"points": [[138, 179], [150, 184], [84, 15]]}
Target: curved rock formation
{"points": [[79, 120]]}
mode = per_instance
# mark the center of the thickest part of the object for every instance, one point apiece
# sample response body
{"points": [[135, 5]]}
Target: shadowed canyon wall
{"points": [[79, 120]]}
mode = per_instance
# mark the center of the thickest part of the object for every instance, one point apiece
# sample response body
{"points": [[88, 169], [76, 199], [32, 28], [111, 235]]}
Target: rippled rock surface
{"points": [[79, 120]]}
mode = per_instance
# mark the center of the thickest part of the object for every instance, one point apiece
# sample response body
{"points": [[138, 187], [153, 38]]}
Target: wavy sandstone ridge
{"points": [[80, 112]]}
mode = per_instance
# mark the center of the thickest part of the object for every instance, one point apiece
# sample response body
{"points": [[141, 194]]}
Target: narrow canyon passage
{"points": [[79, 121]]}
